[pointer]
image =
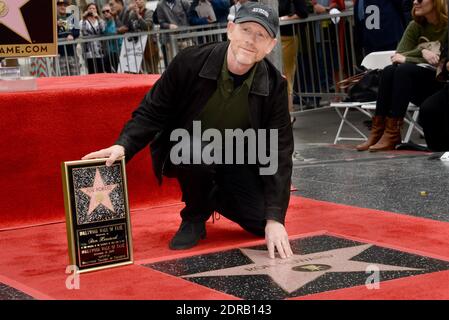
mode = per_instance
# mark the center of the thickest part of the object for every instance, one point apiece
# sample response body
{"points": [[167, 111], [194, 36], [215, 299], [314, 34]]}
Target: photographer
{"points": [[92, 25], [68, 29]]}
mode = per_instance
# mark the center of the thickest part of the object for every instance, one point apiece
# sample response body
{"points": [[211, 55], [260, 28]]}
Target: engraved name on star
{"points": [[295, 272], [99, 193], [11, 16]]}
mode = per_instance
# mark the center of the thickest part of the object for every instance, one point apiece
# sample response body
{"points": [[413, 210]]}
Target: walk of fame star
{"points": [[12, 18], [99, 193], [320, 263], [289, 278]]}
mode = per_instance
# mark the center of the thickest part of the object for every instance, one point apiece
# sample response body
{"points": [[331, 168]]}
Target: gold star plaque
{"points": [[97, 214]]}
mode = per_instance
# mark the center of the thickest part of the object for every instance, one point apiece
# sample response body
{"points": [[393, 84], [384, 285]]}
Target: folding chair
{"points": [[374, 60]]}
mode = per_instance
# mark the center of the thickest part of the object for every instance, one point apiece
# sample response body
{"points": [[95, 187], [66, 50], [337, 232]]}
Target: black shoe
{"points": [[188, 235]]}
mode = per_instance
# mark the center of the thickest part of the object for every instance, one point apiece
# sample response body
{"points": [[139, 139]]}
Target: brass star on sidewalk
{"points": [[12, 18], [293, 273]]}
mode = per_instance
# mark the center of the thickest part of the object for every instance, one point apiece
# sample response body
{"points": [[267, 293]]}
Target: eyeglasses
{"points": [[106, 11]]}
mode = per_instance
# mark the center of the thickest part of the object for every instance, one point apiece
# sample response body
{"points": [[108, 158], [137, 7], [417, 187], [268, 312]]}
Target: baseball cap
{"points": [[259, 13], [62, 2]]}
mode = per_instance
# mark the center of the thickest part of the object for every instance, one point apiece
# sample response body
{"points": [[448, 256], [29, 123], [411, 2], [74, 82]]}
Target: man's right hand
{"points": [[112, 153], [319, 9]]}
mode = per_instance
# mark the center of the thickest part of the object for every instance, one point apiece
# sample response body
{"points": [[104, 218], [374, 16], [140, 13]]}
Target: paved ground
{"points": [[398, 181]]}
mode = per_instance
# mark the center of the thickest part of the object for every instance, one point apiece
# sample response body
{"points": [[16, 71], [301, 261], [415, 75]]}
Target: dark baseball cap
{"points": [[259, 13], [65, 2]]}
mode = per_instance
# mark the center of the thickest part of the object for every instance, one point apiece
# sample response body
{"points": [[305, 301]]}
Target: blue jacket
{"points": [[221, 10]]}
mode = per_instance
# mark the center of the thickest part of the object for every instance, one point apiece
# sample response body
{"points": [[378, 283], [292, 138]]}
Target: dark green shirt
{"points": [[228, 107], [414, 35]]}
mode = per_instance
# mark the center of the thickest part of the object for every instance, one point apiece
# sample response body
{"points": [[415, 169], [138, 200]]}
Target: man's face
{"points": [[62, 9], [116, 7], [140, 3], [249, 42]]}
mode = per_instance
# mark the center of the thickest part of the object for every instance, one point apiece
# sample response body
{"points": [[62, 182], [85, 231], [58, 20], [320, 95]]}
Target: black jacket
{"points": [[183, 90]]}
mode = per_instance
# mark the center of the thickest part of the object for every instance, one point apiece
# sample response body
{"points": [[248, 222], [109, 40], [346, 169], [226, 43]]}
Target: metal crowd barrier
{"points": [[324, 54], [140, 52]]}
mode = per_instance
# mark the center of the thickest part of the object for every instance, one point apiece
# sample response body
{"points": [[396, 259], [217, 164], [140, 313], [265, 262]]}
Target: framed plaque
{"points": [[97, 214]]}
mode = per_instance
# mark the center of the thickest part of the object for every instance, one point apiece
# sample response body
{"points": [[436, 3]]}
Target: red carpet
{"points": [[62, 121], [68, 117], [34, 259]]}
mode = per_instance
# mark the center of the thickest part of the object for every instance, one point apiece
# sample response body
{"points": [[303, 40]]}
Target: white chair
{"points": [[374, 60]]}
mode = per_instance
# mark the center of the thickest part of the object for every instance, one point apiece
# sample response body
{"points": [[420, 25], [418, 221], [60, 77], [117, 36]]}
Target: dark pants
{"points": [[98, 65], [401, 84], [434, 118], [235, 191]]}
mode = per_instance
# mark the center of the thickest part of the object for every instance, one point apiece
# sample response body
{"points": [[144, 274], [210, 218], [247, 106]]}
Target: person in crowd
{"points": [[405, 80], [121, 15], [112, 46], [329, 45], [289, 38], [434, 111], [225, 85], [221, 9], [201, 12], [235, 8], [381, 28], [141, 19], [172, 14], [93, 26], [68, 29]]}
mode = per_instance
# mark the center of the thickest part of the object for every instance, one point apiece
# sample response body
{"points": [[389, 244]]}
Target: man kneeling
{"points": [[225, 86]]}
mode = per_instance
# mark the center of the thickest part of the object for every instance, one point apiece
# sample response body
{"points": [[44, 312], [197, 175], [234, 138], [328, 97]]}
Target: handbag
{"points": [[433, 46], [362, 87]]}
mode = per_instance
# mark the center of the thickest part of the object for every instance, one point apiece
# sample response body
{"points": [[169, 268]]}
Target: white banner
{"points": [[131, 54]]}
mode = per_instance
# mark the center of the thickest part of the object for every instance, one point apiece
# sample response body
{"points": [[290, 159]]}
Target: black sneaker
{"points": [[188, 235]]}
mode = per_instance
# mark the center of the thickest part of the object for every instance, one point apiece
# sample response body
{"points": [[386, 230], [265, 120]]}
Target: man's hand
{"points": [[172, 26], [112, 153], [276, 236], [122, 29], [430, 57], [397, 58], [70, 37], [447, 66], [319, 9]]}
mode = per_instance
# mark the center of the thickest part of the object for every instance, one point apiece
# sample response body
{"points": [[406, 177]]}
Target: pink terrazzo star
{"points": [[99, 193], [12, 17]]}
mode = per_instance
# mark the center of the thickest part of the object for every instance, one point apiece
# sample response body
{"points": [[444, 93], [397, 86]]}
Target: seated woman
{"points": [[434, 113], [405, 80]]}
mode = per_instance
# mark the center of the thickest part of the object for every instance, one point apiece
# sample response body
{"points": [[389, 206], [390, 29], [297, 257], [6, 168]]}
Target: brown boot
{"points": [[391, 136], [377, 130]]}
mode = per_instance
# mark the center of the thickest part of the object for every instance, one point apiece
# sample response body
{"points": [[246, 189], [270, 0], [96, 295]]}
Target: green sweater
{"points": [[413, 36]]}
